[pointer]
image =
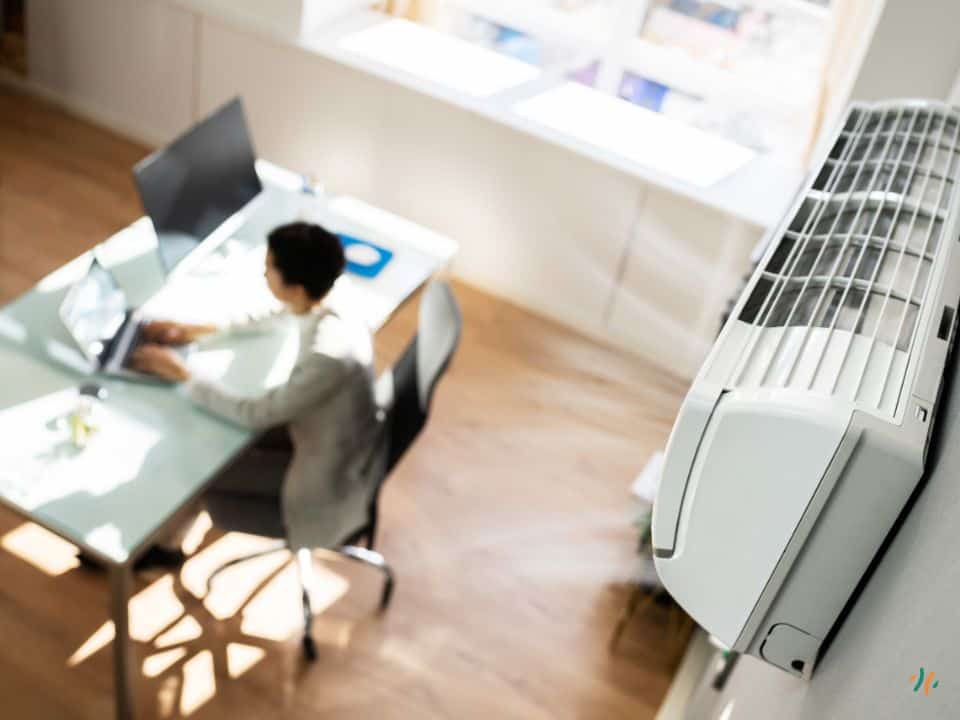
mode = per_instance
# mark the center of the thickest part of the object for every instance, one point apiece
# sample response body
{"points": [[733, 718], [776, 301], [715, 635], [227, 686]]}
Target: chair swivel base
{"points": [[304, 558]]}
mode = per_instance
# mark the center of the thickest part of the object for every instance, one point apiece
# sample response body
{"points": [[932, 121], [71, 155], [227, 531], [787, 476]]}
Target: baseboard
{"points": [[688, 675], [594, 330], [83, 110]]}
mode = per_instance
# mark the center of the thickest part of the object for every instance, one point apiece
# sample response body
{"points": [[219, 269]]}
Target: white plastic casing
{"points": [[801, 440]]}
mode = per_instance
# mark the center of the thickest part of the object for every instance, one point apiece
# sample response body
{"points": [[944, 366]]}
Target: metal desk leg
{"points": [[121, 581]]}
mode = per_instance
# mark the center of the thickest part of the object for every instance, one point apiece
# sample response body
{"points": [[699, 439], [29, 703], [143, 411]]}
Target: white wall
{"points": [[129, 64], [548, 229], [888, 49], [913, 53], [852, 26], [684, 262]]}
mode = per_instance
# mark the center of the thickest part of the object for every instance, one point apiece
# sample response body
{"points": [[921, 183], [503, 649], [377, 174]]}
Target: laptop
{"points": [[201, 188], [106, 330]]}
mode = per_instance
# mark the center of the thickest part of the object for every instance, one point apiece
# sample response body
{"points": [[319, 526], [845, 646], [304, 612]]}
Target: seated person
{"points": [[310, 477]]}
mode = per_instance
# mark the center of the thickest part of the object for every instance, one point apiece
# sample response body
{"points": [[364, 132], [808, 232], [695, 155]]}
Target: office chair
{"points": [[404, 394]]}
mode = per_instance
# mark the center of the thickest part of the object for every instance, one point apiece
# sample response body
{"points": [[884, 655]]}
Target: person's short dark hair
{"points": [[306, 254]]}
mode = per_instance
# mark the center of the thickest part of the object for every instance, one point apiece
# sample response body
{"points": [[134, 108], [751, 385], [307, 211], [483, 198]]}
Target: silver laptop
{"points": [[106, 330]]}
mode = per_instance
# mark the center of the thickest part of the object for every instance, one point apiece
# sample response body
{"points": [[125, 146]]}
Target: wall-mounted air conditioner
{"points": [[807, 427]]}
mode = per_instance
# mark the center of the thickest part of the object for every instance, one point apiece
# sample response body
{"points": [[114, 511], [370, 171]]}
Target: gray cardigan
{"points": [[328, 405]]}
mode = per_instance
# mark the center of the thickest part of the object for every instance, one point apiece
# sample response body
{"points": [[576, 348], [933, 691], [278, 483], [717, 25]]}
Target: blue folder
{"points": [[373, 269]]}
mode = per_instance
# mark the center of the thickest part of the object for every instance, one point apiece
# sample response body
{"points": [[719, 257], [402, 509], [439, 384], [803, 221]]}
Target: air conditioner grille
{"points": [[836, 306]]}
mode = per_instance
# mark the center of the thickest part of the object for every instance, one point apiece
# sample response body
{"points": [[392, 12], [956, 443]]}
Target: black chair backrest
{"points": [[419, 369]]}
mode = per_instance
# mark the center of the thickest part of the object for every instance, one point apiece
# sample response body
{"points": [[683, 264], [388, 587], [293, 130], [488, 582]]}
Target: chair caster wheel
{"points": [[309, 648]]}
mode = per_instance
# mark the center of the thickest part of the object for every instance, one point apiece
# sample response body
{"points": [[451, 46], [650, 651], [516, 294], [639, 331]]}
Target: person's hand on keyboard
{"points": [[160, 361], [169, 332]]}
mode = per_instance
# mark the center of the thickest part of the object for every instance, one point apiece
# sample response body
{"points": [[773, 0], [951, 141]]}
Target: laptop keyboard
{"points": [[135, 342]]}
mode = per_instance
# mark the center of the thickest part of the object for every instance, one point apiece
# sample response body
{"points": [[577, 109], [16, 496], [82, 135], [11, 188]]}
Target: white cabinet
{"points": [[684, 263]]}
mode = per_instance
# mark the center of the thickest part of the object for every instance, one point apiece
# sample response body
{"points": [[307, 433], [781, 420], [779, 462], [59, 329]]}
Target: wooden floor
{"points": [[508, 524]]}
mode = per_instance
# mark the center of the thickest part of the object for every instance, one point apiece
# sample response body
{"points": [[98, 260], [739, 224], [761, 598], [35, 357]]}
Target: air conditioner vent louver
{"points": [[847, 281]]}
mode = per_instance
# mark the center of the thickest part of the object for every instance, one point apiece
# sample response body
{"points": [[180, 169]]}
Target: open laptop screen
{"points": [[93, 310], [201, 179]]}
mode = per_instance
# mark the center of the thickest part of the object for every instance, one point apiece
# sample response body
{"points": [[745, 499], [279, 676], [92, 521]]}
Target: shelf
{"points": [[440, 58], [679, 70], [802, 7], [752, 187], [589, 29], [647, 138], [592, 30], [789, 88]]}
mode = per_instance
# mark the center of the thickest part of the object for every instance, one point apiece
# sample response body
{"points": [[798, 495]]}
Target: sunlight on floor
{"points": [[41, 548], [93, 644], [197, 532], [327, 587], [266, 592], [276, 612], [156, 665], [167, 696], [333, 633], [153, 609], [241, 658], [234, 586], [199, 683], [186, 629]]}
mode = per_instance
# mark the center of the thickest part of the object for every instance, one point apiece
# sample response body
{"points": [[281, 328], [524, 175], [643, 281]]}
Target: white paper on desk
{"points": [[647, 482], [42, 466]]}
